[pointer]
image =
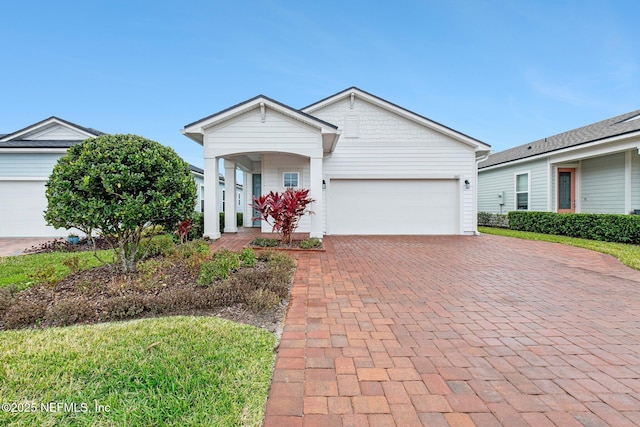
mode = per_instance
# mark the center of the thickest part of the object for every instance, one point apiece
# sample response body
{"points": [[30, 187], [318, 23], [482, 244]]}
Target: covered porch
{"points": [[275, 147]]}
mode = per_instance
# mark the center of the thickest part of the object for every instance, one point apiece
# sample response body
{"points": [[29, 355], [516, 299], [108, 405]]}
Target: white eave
{"points": [[587, 147], [42, 125], [355, 93], [197, 130]]}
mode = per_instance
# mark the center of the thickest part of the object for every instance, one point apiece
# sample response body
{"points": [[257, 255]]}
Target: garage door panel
{"points": [[22, 210], [368, 206]]}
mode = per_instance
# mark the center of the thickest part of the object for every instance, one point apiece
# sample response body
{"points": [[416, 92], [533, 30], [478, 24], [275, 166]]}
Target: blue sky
{"points": [[504, 72]]}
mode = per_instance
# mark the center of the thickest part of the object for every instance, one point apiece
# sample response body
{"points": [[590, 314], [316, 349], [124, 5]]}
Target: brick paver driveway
{"points": [[460, 331]]}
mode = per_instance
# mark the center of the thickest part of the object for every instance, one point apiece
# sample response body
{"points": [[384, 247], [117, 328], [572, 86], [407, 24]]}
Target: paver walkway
{"points": [[458, 331]]}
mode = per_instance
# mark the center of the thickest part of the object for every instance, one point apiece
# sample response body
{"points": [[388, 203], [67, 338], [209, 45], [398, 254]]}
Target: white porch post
{"points": [[315, 192], [627, 180], [247, 188], [230, 202], [211, 221]]}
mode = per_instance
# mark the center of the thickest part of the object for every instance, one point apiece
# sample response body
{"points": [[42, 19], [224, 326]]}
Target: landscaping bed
{"points": [[184, 280], [310, 244]]}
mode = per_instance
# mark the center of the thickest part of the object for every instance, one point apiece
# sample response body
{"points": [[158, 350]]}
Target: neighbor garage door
{"points": [[393, 206], [21, 210]]}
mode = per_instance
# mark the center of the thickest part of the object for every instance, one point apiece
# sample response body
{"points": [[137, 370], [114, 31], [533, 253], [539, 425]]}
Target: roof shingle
{"points": [[618, 125]]}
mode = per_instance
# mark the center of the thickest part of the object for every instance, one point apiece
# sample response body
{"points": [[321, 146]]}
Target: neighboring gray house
{"points": [[198, 176], [592, 169], [372, 167], [27, 157]]}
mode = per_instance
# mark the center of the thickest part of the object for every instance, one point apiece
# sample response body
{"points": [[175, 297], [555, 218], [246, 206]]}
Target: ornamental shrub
{"points": [[488, 219], [118, 186], [283, 211], [604, 227]]}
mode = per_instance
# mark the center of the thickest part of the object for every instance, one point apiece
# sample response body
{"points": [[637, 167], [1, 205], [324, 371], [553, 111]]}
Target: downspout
{"points": [[475, 192]]}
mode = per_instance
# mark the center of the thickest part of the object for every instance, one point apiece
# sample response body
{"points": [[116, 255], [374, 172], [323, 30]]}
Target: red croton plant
{"points": [[283, 210]]}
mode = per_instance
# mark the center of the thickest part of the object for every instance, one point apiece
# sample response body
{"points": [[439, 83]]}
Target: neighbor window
{"points": [[290, 179], [522, 191]]}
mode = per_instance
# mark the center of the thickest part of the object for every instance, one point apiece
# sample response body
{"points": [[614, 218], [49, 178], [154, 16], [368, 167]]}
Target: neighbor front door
{"points": [[566, 190]]}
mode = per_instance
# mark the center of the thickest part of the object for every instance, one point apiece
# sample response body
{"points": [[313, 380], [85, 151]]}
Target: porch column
{"points": [[315, 192], [211, 221], [230, 202], [247, 189], [627, 180]]}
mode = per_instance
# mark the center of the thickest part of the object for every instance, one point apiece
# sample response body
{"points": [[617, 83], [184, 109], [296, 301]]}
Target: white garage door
{"points": [[22, 205], [395, 206]]}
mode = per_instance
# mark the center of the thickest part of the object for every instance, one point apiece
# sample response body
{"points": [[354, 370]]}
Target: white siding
{"points": [[389, 146], [248, 133], [273, 166], [635, 180], [602, 184], [27, 164], [496, 181], [24, 216], [239, 192]]}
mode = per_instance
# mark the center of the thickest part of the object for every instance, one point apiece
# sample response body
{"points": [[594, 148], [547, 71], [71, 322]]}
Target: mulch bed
{"points": [[102, 294]]}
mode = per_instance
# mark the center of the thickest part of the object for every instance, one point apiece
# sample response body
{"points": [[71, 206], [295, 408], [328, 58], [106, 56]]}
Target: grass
{"points": [[174, 371], [26, 270], [629, 255]]}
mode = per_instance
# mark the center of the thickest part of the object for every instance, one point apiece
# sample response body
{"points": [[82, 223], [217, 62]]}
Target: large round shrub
{"points": [[118, 185]]}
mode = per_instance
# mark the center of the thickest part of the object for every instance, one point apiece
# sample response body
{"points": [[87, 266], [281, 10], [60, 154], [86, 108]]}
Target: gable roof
{"points": [[194, 130], [390, 106], [20, 138], [614, 126]]}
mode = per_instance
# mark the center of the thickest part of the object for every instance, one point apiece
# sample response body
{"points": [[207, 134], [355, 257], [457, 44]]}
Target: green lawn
{"points": [[175, 371], [21, 270], [629, 255]]}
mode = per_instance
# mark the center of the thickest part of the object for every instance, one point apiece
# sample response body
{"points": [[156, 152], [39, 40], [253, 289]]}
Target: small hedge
{"points": [[239, 220], [488, 219], [603, 227]]}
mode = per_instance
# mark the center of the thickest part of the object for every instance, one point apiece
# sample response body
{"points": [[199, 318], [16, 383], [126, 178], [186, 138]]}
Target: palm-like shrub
{"points": [[283, 210]]}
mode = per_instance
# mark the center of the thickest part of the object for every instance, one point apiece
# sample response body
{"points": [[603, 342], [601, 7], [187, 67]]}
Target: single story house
{"points": [[371, 166], [27, 157], [592, 169]]}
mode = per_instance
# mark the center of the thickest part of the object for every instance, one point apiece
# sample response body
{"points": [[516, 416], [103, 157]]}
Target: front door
{"points": [[256, 192], [566, 190]]}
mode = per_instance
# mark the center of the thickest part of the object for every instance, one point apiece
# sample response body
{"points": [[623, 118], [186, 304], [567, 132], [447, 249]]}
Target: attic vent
{"points": [[351, 126], [630, 119], [529, 148]]}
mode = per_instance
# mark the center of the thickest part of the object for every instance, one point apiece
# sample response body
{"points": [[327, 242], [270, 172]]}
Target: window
{"points": [[202, 198], [290, 179], [522, 191]]}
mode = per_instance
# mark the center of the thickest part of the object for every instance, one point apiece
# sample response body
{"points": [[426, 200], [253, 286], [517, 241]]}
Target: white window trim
{"points": [[515, 190], [298, 174]]}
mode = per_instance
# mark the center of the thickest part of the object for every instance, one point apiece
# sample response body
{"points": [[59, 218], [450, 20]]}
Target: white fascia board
{"points": [[44, 124], [591, 149], [197, 136], [244, 108], [402, 113]]}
